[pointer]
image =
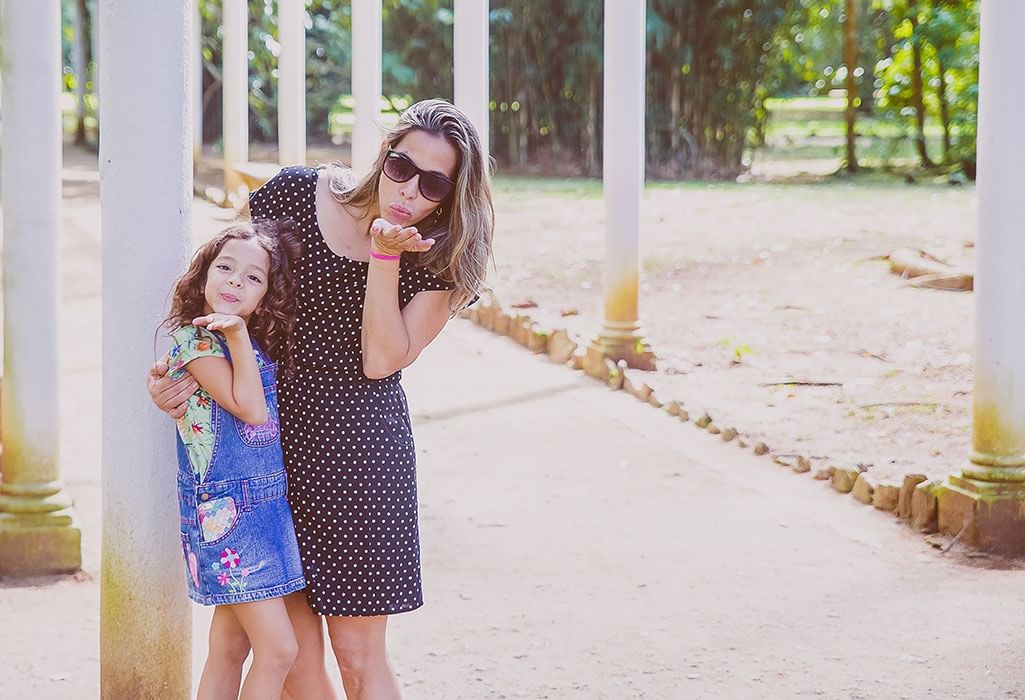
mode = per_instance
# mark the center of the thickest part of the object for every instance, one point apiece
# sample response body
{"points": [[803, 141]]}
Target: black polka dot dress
{"points": [[347, 441]]}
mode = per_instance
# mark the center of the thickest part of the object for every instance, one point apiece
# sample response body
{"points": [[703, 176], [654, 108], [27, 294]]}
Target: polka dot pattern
{"points": [[347, 439]]}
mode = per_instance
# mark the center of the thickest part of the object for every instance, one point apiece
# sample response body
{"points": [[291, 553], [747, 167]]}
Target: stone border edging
{"points": [[913, 500]]}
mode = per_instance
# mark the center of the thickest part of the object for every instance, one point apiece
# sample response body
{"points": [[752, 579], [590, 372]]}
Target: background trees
{"points": [[712, 64]]}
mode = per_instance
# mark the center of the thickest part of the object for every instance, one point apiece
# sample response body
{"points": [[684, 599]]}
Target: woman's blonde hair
{"points": [[464, 228]]}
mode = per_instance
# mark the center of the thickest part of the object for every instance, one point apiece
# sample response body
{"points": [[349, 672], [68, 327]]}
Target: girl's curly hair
{"points": [[272, 323]]}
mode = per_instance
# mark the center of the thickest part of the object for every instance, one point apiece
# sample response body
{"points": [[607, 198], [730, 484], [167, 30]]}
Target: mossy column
{"points": [[38, 530], [623, 186], [366, 82], [145, 197], [985, 502], [470, 63], [292, 82], [235, 91]]}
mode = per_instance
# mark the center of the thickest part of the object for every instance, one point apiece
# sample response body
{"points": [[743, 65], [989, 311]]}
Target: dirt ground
{"points": [[785, 278]]}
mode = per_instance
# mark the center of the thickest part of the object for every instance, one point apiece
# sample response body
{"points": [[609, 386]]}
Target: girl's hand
{"points": [[170, 395], [226, 323], [392, 239]]}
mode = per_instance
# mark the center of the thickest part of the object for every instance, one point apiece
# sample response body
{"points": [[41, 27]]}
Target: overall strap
{"points": [[224, 345], [256, 346]]}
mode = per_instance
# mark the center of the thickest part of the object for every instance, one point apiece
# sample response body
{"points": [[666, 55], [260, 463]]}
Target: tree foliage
{"points": [[710, 66], [946, 35]]}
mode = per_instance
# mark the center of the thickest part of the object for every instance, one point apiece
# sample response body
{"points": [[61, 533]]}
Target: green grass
{"points": [[806, 104], [581, 187]]}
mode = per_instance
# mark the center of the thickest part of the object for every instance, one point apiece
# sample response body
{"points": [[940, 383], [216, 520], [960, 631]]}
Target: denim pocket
{"points": [[217, 518], [191, 562], [267, 432]]}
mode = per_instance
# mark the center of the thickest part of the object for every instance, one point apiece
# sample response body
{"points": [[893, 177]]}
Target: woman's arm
{"points": [[236, 386], [170, 395], [391, 338]]}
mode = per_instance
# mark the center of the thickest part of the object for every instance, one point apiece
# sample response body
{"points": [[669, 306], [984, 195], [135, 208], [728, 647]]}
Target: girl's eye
{"points": [[255, 279], [222, 266]]}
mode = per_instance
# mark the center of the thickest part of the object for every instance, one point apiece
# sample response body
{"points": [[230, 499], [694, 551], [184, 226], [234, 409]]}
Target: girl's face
{"points": [[237, 278], [403, 203]]}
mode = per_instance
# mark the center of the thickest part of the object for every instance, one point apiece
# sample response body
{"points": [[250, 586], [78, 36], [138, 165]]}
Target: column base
{"points": [[621, 344], [48, 543], [991, 514]]}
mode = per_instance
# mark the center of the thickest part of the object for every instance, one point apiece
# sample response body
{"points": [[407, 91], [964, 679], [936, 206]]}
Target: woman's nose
{"points": [[409, 187]]}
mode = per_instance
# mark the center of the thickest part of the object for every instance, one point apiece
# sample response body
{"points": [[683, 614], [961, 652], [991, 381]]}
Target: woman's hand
{"points": [[225, 323], [392, 239], [170, 395]]}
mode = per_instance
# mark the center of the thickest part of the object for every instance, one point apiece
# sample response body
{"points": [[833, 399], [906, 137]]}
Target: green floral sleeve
{"points": [[188, 343], [195, 427]]}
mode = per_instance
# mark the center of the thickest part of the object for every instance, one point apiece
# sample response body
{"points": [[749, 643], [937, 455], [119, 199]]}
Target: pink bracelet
{"points": [[375, 254]]}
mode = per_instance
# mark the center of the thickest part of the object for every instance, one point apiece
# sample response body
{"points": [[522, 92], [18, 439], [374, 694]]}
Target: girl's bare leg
{"points": [[229, 647], [274, 647]]}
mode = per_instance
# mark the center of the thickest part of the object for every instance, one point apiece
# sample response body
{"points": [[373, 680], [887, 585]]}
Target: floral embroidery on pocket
{"points": [[216, 517], [264, 434]]}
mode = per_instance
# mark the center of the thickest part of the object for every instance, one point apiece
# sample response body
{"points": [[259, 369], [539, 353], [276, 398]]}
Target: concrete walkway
{"points": [[580, 544]]}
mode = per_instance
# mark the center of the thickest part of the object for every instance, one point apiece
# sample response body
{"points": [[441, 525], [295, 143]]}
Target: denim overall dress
{"points": [[237, 534]]}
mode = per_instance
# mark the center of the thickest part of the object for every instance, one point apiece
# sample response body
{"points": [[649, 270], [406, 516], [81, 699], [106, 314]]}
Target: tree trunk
{"points": [[593, 141], [918, 91], [941, 95], [676, 57], [850, 58], [80, 65]]}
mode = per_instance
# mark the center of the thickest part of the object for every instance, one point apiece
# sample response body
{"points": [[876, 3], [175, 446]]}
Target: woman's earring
{"points": [[437, 215]]}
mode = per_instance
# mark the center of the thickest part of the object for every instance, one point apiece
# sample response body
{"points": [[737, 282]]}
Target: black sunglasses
{"points": [[433, 186]]}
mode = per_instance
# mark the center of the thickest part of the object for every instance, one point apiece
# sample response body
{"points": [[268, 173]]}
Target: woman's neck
{"points": [[363, 218]]}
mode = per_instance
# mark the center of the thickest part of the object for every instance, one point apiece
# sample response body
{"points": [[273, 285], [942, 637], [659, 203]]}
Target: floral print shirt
{"points": [[196, 426]]}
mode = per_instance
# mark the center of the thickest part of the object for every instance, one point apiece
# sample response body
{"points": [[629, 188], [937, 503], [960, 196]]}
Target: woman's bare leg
{"points": [[308, 679], [359, 647]]}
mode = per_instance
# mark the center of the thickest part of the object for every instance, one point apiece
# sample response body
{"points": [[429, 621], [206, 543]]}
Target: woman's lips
{"points": [[400, 212]]}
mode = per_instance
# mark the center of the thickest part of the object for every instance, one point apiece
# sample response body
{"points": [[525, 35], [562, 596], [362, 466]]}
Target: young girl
{"points": [[231, 318]]}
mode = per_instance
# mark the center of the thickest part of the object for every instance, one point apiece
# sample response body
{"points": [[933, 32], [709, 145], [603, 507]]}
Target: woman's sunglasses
{"points": [[433, 186]]}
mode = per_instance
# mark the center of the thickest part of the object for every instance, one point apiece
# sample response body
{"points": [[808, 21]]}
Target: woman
{"points": [[388, 260]]}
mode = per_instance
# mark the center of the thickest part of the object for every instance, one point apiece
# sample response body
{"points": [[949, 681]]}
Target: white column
{"points": [[145, 196], [235, 89], [196, 103], [623, 179], [292, 82], [470, 64], [366, 82], [37, 529], [999, 399]]}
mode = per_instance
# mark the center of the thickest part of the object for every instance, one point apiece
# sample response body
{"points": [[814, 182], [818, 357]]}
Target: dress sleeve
{"points": [[287, 195], [189, 343], [430, 282]]}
